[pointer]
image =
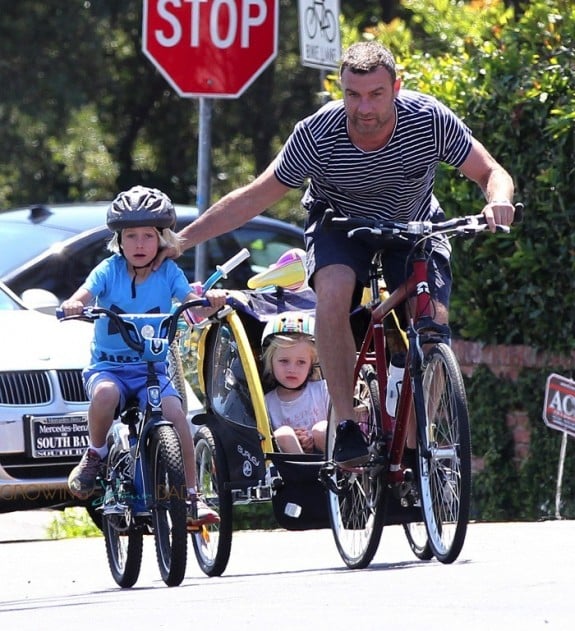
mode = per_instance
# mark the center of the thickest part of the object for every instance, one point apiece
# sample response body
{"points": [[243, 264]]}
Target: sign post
{"points": [[209, 50], [559, 414]]}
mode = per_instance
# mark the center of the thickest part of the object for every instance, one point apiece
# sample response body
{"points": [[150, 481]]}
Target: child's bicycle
{"points": [[433, 489], [144, 486]]}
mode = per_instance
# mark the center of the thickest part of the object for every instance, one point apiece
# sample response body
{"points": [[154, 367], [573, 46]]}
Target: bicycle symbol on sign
{"points": [[317, 16]]}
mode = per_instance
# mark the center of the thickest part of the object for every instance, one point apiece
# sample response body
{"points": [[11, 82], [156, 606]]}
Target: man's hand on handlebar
{"points": [[498, 213]]}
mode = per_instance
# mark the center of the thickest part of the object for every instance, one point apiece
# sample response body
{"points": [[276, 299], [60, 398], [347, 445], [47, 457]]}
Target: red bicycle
{"points": [[429, 495]]}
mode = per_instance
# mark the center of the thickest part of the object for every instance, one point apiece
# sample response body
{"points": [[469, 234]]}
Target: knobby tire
{"points": [[124, 538], [169, 509]]}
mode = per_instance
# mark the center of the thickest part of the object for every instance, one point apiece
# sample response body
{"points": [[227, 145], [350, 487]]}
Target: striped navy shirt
{"points": [[394, 182]]}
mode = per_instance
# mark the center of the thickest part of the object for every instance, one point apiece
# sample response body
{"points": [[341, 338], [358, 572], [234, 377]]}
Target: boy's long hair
{"points": [[168, 238]]}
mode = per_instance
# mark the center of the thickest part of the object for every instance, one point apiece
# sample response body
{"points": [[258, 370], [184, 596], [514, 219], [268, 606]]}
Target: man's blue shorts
{"points": [[131, 381], [331, 247]]}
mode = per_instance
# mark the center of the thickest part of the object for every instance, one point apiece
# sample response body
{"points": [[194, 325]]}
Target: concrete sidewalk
{"points": [[26, 525]]}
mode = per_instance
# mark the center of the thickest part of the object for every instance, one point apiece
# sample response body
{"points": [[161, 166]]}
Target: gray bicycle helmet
{"points": [[141, 206]]}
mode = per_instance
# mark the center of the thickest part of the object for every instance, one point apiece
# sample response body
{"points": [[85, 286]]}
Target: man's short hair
{"points": [[365, 57]]}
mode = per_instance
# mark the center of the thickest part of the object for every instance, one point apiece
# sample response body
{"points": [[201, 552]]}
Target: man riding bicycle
{"points": [[374, 153]]}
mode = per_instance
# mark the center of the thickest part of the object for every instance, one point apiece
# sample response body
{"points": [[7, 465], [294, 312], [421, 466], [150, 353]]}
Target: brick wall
{"points": [[507, 362]]}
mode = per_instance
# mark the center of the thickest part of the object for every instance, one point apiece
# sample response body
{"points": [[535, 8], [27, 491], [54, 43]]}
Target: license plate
{"points": [[58, 436]]}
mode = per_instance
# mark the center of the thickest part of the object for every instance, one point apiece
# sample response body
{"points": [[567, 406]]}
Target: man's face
{"points": [[368, 100]]}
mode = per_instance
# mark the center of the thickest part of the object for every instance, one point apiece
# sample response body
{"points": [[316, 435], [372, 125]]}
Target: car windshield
{"points": [[22, 242]]}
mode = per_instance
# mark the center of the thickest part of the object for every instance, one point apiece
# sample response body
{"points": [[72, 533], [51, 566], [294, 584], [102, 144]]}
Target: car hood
{"points": [[34, 341]]}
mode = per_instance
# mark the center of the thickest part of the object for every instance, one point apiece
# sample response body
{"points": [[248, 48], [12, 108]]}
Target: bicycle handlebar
{"points": [[466, 225], [136, 329], [162, 327]]}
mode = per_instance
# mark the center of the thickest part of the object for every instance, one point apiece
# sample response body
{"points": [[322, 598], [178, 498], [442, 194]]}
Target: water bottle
{"points": [[394, 381]]}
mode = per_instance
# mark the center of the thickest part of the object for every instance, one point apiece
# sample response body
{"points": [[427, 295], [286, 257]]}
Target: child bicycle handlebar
{"points": [[158, 330], [149, 334]]}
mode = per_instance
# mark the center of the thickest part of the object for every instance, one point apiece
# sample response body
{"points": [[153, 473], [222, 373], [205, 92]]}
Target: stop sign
{"points": [[211, 48]]}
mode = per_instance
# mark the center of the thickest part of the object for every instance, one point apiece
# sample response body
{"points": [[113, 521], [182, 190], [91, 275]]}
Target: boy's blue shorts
{"points": [[130, 379]]}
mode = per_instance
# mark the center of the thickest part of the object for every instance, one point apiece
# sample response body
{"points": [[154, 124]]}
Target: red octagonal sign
{"points": [[211, 48]]}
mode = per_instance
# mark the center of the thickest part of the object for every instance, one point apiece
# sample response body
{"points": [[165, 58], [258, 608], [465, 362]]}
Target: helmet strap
{"points": [[136, 274]]}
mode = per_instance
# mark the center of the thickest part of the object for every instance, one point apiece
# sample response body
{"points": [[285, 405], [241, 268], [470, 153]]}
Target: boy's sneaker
{"points": [[82, 478], [350, 449], [200, 514]]}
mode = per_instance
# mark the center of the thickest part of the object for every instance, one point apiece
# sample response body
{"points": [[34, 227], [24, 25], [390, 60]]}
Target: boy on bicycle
{"points": [[142, 220]]}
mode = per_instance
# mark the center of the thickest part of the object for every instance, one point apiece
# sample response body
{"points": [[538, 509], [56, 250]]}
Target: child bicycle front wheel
{"points": [[444, 455], [169, 510]]}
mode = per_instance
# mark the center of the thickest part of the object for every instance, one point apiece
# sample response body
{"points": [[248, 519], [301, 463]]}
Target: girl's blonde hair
{"points": [[168, 238], [287, 341]]}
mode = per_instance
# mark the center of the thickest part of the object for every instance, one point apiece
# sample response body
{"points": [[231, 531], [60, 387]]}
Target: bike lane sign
{"points": [[559, 406], [319, 33]]}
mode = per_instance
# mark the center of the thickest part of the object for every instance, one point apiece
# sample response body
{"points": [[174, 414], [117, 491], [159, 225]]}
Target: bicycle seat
{"points": [[287, 272]]}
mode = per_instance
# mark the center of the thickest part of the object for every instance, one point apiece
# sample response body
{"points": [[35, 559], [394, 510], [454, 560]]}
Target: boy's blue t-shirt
{"points": [[111, 285]]}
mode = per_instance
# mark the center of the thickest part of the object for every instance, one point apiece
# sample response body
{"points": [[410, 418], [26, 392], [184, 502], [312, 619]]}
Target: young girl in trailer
{"points": [[298, 403]]}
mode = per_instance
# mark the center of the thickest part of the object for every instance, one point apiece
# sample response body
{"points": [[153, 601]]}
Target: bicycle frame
{"points": [[144, 484], [150, 418], [373, 351], [431, 488]]}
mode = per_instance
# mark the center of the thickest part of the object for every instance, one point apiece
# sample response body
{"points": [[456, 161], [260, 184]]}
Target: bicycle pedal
{"points": [[114, 509], [401, 490], [408, 475]]}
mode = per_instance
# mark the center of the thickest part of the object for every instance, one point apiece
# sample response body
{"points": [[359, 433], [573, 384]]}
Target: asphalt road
{"points": [[517, 576]]}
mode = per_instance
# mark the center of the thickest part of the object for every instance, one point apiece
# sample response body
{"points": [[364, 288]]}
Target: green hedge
{"points": [[505, 489]]}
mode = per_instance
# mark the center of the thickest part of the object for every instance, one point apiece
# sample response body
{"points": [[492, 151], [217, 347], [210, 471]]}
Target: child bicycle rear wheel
{"points": [[355, 496], [124, 539], [444, 455], [169, 508], [213, 542]]}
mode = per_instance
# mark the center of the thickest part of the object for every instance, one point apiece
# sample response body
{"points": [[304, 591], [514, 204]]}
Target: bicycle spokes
{"points": [[444, 455]]}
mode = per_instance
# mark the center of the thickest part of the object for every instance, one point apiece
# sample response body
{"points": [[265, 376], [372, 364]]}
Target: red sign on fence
{"points": [[559, 407], [214, 49]]}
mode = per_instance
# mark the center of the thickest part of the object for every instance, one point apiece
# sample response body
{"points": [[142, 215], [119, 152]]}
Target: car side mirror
{"points": [[40, 300]]}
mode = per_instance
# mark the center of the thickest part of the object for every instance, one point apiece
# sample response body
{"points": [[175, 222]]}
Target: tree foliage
{"points": [[85, 113]]}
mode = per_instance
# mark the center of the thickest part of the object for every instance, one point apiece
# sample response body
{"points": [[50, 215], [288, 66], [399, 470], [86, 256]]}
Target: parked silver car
{"points": [[43, 405]]}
